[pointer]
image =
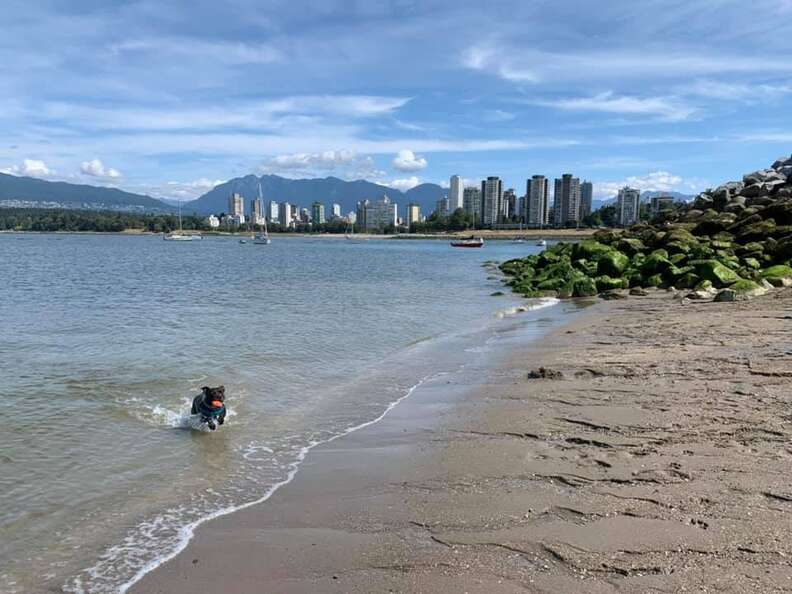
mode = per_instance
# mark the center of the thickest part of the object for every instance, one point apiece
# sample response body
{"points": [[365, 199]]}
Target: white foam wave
{"points": [[533, 305], [128, 549]]}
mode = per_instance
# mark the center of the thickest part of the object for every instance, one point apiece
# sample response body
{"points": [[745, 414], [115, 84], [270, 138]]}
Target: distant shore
{"points": [[487, 234], [656, 461]]}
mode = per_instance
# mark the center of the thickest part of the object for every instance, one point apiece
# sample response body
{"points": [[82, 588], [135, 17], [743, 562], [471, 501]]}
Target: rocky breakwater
{"points": [[730, 243]]}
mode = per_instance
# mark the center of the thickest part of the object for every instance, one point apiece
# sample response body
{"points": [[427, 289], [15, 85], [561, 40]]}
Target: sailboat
{"points": [[180, 235], [262, 238]]}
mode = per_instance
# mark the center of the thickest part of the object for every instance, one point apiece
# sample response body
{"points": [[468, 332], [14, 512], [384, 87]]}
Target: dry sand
{"points": [[660, 462]]}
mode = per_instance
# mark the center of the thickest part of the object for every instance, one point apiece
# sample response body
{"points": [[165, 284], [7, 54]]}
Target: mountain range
{"points": [[305, 191], [33, 192]]}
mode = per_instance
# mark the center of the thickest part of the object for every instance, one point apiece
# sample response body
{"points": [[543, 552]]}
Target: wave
{"points": [[533, 305]]}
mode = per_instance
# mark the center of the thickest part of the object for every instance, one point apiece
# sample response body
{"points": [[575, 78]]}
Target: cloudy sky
{"points": [[169, 98]]}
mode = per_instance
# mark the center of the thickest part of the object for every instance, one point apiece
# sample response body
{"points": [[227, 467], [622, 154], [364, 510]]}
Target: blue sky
{"points": [[168, 98]]}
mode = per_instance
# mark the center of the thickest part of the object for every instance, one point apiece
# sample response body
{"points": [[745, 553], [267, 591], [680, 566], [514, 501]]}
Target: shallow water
{"points": [[105, 339]]}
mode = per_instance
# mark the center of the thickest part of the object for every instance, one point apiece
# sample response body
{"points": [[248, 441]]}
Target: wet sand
{"points": [[660, 462]]}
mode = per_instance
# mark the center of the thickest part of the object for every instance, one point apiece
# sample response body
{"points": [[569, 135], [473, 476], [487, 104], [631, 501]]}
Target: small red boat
{"points": [[471, 242]]}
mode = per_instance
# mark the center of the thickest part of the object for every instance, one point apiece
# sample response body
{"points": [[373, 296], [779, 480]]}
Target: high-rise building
{"points": [[295, 212], [661, 203], [335, 211], [285, 212], [628, 206], [378, 214], [472, 204], [566, 200], [236, 206], [536, 201], [442, 208], [413, 214], [272, 212], [455, 194], [318, 213], [491, 198], [360, 213], [509, 204], [256, 211], [586, 197]]}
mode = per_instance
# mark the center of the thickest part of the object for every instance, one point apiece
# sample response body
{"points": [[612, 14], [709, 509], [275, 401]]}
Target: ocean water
{"points": [[105, 339]]}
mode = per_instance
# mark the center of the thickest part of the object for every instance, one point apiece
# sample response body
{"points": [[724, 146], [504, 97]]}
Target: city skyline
{"points": [[167, 100]]}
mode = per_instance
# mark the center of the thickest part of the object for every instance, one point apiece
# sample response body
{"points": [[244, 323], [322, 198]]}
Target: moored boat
{"points": [[470, 242]]}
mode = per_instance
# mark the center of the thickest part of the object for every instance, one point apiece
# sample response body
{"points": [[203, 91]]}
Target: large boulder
{"points": [[584, 287], [590, 250], [612, 264], [715, 272], [747, 288], [607, 283], [778, 276], [656, 263]]}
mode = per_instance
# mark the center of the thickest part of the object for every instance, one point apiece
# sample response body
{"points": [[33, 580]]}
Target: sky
{"points": [[170, 98]]}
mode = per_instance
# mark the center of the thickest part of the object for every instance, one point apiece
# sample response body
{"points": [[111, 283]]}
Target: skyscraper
{"points": [[471, 202], [455, 194], [236, 206], [566, 200], [413, 214], [536, 201], [272, 211], [335, 211], [256, 211], [318, 213], [586, 196], [285, 212], [379, 214], [442, 208], [628, 206], [491, 198], [509, 204]]}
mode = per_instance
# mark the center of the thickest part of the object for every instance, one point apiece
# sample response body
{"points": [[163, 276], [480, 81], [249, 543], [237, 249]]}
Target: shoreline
{"points": [[635, 471]]}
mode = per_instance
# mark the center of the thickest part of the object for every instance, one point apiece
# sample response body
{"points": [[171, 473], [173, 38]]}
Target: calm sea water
{"points": [[105, 339]]}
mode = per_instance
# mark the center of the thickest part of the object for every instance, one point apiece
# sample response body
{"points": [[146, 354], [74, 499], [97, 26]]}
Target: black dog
{"points": [[206, 405]]}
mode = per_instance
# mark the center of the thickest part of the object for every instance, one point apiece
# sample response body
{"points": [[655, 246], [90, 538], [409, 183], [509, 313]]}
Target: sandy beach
{"points": [[658, 462]]}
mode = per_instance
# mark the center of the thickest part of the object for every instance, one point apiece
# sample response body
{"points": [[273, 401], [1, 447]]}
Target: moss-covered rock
{"points": [[715, 272], [606, 283], [631, 246], [612, 264], [584, 287], [590, 250], [778, 276]]}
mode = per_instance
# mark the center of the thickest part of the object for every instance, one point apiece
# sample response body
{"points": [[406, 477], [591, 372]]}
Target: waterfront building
{"points": [[509, 204], [295, 212], [256, 211], [272, 212], [236, 206], [628, 205], [413, 214], [335, 211], [586, 197], [213, 222], [318, 213], [285, 214], [304, 216], [566, 201], [455, 194], [471, 202], [661, 203], [442, 208], [378, 214], [536, 208], [491, 198]]}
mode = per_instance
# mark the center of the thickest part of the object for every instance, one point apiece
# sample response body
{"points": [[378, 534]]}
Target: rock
{"points": [[590, 250], [761, 176], [607, 283], [584, 287], [614, 294], [778, 276], [701, 294], [725, 295], [747, 289], [656, 262], [703, 202], [782, 162], [544, 373], [780, 211], [496, 294], [639, 292], [715, 272], [756, 231], [612, 264], [754, 190], [631, 245]]}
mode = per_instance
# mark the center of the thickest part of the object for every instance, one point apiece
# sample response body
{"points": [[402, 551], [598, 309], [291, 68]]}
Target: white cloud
{"points": [[326, 160], [406, 160], [665, 107], [29, 168], [663, 181], [95, 168], [749, 93], [403, 184], [184, 190], [521, 65], [222, 52]]}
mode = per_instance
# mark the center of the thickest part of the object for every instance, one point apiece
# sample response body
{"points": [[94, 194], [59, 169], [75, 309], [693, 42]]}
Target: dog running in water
{"points": [[210, 404]]}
